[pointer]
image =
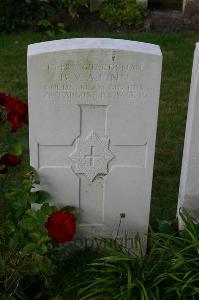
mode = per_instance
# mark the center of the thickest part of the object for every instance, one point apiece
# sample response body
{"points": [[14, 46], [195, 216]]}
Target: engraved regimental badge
{"points": [[91, 156]]}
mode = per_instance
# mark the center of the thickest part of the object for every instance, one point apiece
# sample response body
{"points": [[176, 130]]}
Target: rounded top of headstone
{"points": [[93, 43]]}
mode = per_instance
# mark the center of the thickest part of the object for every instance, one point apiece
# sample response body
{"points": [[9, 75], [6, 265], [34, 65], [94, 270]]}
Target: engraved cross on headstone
{"points": [[90, 157]]}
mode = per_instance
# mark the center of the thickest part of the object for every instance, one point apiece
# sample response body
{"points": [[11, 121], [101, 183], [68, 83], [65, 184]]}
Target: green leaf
{"points": [[2, 153], [27, 223], [38, 197], [44, 239], [30, 247], [35, 236], [16, 149], [14, 240], [44, 249], [42, 196], [165, 227], [46, 209], [71, 209], [68, 208], [44, 23]]}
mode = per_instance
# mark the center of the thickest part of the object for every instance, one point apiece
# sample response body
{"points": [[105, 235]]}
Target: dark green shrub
{"points": [[122, 13], [26, 13], [21, 13], [30, 248], [71, 6]]}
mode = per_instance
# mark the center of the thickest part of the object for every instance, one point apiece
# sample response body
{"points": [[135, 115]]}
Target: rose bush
{"points": [[17, 111], [29, 238], [10, 160]]}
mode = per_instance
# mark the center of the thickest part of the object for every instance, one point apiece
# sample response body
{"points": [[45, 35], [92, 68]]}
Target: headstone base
{"points": [[191, 7], [143, 3]]}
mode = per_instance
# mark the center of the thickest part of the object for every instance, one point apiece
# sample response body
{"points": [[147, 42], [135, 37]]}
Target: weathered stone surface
{"points": [[93, 107], [189, 182], [144, 3], [191, 7]]}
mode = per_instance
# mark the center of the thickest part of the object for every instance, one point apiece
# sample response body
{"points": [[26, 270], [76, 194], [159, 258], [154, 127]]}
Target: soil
{"points": [[165, 4], [171, 21], [155, 21]]}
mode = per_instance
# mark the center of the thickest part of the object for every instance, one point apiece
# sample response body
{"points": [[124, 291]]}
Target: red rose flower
{"points": [[15, 121], [10, 160], [61, 226], [17, 111]]}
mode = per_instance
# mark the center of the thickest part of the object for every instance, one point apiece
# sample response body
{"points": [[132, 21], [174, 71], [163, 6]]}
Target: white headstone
{"points": [[185, 3], [93, 106], [189, 182]]}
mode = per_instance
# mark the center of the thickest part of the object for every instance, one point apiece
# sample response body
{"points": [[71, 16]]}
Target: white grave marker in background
{"points": [[189, 182], [93, 106]]}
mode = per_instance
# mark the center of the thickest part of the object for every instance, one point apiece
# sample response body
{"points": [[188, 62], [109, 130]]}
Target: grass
{"points": [[177, 51], [169, 271]]}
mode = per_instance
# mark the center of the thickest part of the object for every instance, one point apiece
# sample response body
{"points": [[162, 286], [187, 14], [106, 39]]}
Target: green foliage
{"points": [[170, 270], [19, 13], [122, 13], [30, 261], [16, 149], [28, 256], [32, 266], [72, 6], [24, 241], [57, 281], [36, 13]]}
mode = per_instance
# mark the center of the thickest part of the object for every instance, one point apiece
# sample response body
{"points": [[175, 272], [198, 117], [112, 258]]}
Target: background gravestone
{"points": [[93, 106], [189, 182], [190, 5]]}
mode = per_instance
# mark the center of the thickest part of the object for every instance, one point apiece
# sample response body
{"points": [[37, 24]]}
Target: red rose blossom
{"points": [[61, 226], [15, 121], [17, 111], [10, 160]]}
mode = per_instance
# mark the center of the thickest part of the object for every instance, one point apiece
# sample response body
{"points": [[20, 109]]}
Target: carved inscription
{"points": [[93, 82]]}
